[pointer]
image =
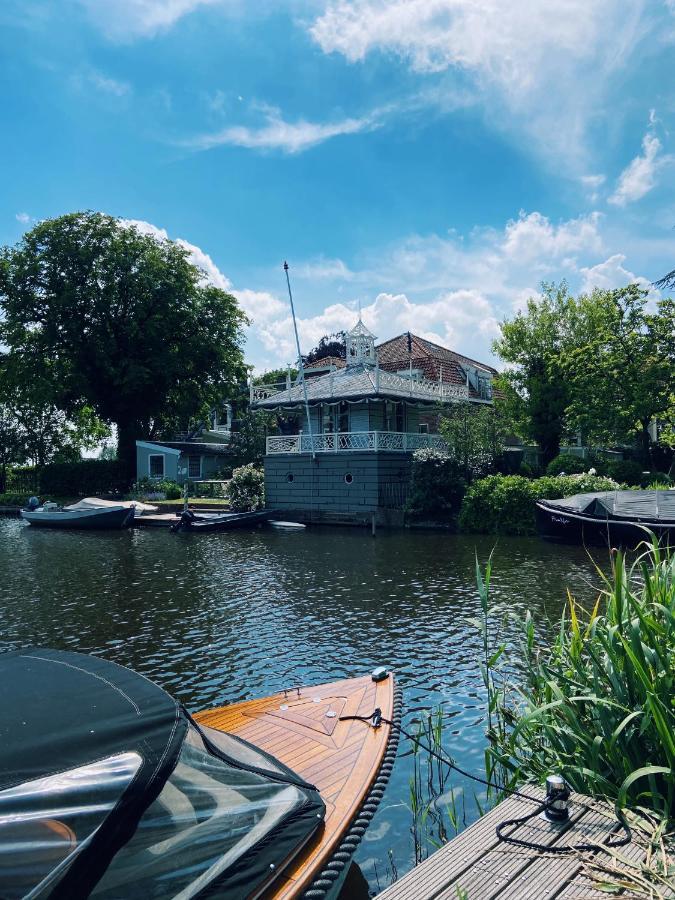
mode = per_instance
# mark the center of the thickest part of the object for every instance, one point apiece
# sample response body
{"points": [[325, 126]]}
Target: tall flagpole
{"points": [[301, 368]]}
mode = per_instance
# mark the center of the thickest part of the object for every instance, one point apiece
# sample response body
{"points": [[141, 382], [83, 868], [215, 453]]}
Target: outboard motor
{"points": [[187, 517], [33, 503]]}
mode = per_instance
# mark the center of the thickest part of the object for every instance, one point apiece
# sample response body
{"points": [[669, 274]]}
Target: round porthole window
{"points": [[290, 477], [349, 478]]}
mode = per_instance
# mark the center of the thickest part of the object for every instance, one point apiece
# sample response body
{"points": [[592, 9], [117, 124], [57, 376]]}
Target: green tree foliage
{"points": [[534, 385], [621, 373], [437, 485], [329, 345], [475, 435], [129, 327], [247, 443]]}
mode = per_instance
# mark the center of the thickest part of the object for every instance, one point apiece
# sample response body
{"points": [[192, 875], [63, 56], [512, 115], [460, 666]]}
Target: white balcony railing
{"points": [[377, 441], [388, 384]]}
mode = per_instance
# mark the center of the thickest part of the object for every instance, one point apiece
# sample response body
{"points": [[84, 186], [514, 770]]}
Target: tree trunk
{"points": [[128, 432], [645, 442]]}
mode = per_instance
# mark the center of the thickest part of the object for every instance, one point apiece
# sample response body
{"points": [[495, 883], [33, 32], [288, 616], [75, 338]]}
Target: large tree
{"points": [[533, 343], [621, 372], [127, 325]]}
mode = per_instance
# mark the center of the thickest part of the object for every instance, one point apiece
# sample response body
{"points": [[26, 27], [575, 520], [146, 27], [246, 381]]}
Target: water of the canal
{"points": [[225, 617]]}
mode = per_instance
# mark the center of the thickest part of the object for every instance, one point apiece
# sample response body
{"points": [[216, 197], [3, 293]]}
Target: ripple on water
{"points": [[219, 618]]}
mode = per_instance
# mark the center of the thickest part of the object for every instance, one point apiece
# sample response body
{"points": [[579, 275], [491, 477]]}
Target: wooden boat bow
{"points": [[349, 762]]}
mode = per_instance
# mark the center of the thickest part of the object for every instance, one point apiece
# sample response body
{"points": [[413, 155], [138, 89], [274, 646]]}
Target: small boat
{"points": [[286, 526], [90, 513], [189, 520], [611, 518], [110, 788]]}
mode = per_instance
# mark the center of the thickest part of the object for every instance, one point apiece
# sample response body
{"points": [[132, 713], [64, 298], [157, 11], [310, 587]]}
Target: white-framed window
{"points": [[156, 465], [423, 428], [194, 467]]}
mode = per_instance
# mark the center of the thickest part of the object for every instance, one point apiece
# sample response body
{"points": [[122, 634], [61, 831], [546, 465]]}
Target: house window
{"points": [[156, 463], [194, 467], [400, 417], [423, 428]]}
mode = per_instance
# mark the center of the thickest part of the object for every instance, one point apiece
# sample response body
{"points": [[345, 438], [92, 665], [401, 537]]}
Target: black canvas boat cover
{"points": [[645, 506], [108, 788]]}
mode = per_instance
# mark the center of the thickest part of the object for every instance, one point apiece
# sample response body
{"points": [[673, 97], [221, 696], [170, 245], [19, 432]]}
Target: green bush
{"points": [[596, 706], [661, 478], [626, 471], [565, 463], [505, 504], [84, 478], [246, 489], [437, 485], [172, 490]]}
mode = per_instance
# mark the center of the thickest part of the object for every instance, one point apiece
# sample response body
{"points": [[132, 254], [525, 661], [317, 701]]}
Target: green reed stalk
{"points": [[599, 704]]}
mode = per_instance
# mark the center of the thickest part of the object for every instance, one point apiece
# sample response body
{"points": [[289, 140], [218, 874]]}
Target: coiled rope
{"points": [[376, 718]]}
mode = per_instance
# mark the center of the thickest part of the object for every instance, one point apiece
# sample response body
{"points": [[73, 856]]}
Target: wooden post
{"points": [[372, 525]]}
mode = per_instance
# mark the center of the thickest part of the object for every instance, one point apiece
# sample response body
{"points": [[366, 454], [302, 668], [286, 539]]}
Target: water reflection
{"points": [[217, 618]]}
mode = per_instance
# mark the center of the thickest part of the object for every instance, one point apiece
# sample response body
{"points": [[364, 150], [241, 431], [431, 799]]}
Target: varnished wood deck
{"points": [[340, 758], [487, 869]]}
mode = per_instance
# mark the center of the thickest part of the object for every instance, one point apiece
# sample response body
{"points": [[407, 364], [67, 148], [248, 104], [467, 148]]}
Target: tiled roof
{"points": [[432, 360], [195, 447], [336, 361]]}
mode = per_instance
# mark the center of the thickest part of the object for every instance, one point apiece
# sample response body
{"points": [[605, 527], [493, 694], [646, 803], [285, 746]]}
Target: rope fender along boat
{"points": [[110, 788]]}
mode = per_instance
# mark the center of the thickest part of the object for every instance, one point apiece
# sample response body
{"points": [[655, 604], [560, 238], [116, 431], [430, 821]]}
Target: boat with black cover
{"points": [[189, 520], [611, 518], [111, 789]]}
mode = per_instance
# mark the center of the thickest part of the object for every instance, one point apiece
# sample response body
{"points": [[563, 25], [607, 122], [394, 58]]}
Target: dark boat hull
{"points": [[576, 528], [219, 522]]}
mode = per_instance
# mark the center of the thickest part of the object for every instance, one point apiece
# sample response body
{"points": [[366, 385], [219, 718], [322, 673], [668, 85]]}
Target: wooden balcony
{"points": [[353, 441]]}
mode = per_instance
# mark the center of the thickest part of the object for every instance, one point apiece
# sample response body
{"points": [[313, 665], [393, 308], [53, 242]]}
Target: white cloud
{"points": [[541, 70], [278, 134], [534, 239], [259, 306], [23, 217], [109, 85], [611, 274], [452, 289], [125, 20], [640, 175]]}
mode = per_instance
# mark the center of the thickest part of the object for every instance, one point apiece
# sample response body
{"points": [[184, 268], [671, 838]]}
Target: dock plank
{"points": [[484, 867]]}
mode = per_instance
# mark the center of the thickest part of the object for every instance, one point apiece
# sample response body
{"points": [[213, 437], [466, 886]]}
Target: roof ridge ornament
{"points": [[360, 345]]}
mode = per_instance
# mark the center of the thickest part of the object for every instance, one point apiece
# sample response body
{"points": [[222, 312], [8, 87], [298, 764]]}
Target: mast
{"points": [[301, 368]]}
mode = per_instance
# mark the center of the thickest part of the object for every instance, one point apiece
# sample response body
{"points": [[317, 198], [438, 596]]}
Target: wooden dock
{"points": [[477, 866]]}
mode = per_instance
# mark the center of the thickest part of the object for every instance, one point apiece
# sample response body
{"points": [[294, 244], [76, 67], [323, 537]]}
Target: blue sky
{"points": [[432, 160]]}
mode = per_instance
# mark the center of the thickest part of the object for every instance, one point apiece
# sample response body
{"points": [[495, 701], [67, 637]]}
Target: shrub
{"points": [[246, 488], [565, 463], [505, 503], [626, 471], [597, 706], [172, 490], [649, 478], [437, 484]]}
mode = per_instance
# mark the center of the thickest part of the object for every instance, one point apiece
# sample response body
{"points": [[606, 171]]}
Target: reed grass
{"points": [[598, 706]]}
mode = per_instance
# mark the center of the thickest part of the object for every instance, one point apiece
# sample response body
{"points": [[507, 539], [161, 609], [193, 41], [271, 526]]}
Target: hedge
{"points": [[505, 504], [84, 478]]}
